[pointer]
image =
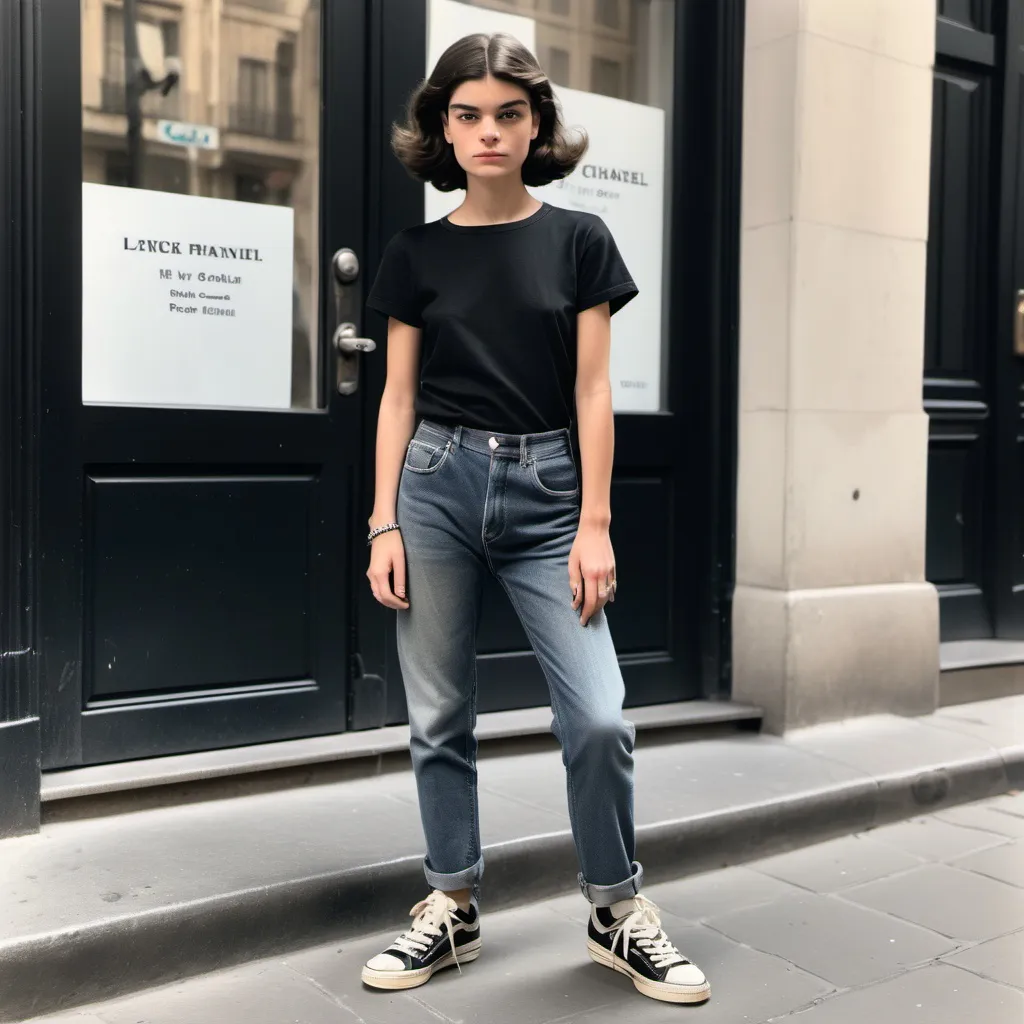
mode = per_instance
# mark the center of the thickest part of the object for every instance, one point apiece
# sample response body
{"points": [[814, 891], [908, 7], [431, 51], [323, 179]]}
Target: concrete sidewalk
{"points": [[917, 922], [96, 908]]}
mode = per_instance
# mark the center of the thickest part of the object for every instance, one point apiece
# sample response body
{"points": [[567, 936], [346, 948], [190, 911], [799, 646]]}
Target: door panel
{"points": [[234, 557], [195, 579]]}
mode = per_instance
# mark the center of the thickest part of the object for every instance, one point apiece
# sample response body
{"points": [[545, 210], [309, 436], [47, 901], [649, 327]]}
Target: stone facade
{"points": [[833, 616]]}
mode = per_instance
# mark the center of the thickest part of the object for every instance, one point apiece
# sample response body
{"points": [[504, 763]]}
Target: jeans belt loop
{"points": [[457, 436], [522, 450]]}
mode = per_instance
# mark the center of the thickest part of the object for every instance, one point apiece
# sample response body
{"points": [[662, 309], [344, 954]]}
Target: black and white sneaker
{"points": [[628, 937], [441, 936]]}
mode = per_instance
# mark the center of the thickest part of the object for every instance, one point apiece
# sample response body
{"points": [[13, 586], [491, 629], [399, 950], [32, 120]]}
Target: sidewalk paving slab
{"points": [[961, 904], [1003, 863], [937, 994], [995, 820], [1012, 803], [97, 907], [999, 959], [938, 837], [701, 897], [996, 721], [921, 761], [839, 864], [844, 944]]}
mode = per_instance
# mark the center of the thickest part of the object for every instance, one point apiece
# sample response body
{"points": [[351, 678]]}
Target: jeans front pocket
{"points": [[556, 476], [423, 457]]}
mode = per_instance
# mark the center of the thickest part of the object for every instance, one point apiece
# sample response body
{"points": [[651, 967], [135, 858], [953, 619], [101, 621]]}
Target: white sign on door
{"points": [[621, 178], [186, 301]]}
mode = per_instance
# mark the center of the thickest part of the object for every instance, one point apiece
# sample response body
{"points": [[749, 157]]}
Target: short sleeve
{"points": [[394, 292], [602, 275]]}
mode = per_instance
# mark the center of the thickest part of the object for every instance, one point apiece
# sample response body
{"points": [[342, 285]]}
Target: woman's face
{"points": [[490, 125]]}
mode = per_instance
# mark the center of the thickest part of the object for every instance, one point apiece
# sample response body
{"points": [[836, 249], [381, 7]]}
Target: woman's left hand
{"points": [[591, 571]]}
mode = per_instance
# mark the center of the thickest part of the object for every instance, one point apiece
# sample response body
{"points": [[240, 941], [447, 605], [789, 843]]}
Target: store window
{"points": [[606, 77], [158, 44], [558, 65], [606, 13], [612, 64], [253, 113], [228, 111], [169, 38]]}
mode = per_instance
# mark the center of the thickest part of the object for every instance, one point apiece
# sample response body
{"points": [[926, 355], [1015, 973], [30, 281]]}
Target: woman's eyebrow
{"points": [[476, 110]]}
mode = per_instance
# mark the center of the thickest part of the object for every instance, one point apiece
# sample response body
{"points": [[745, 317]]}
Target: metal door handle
{"points": [[1018, 324], [346, 342], [347, 301]]}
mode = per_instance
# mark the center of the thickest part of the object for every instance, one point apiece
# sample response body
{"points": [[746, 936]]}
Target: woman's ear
{"points": [[444, 126], [536, 125]]}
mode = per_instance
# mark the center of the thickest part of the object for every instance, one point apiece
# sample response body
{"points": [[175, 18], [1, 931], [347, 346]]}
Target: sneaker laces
{"points": [[432, 917], [643, 927]]}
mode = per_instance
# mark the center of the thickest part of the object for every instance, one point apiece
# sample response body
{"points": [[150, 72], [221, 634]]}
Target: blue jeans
{"points": [[468, 508]]}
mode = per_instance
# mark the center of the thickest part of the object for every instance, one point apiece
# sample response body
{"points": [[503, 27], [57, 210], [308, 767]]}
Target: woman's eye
{"points": [[506, 115]]}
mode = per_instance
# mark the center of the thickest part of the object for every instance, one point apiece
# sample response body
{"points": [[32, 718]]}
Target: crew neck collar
{"points": [[510, 225]]}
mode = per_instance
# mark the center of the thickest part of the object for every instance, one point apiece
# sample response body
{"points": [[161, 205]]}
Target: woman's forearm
{"points": [[597, 451], [395, 423]]}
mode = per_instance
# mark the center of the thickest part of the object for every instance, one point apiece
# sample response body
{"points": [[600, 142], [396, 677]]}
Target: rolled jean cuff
{"points": [[606, 895], [466, 879]]}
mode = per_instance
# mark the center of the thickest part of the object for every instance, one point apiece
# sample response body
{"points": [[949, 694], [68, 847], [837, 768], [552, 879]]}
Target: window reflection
{"points": [[620, 48], [249, 69]]}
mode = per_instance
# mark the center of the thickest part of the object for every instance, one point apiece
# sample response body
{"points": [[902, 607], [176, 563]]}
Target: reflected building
{"points": [[619, 48]]}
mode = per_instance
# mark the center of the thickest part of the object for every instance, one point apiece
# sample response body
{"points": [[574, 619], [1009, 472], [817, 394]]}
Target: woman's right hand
{"points": [[387, 559]]}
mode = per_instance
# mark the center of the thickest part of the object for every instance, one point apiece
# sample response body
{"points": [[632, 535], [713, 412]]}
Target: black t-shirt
{"points": [[497, 305]]}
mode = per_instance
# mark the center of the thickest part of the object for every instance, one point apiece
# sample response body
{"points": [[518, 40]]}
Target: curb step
{"points": [[218, 774]]}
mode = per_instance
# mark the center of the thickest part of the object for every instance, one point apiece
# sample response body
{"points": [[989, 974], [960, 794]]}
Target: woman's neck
{"points": [[488, 204]]}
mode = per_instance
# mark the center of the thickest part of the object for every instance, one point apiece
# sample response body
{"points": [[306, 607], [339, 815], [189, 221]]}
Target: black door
{"points": [[973, 366], [202, 568], [673, 485], [197, 560], [1008, 483]]}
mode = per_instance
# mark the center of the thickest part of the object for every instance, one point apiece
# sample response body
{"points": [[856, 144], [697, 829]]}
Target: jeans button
{"points": [[493, 443]]}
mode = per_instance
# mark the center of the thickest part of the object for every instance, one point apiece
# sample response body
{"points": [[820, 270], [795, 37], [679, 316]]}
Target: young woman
{"points": [[498, 336]]}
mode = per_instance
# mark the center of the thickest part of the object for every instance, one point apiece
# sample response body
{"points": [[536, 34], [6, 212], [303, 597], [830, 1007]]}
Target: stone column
{"points": [[832, 615]]}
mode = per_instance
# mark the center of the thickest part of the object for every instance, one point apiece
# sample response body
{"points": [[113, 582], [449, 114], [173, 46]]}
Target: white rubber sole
{"points": [[393, 980], [653, 989]]}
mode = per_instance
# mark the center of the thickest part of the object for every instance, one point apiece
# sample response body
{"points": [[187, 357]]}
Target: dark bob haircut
{"points": [[420, 143]]}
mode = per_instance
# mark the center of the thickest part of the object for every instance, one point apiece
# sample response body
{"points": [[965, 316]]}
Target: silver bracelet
{"points": [[386, 528]]}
